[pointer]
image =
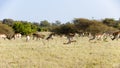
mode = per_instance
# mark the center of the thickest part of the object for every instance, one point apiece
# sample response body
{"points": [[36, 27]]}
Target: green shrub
{"points": [[24, 28]]}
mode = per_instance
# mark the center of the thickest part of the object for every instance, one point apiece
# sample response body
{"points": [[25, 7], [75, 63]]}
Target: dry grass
{"points": [[54, 54]]}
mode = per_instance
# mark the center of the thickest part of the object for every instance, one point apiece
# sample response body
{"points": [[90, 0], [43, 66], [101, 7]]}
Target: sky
{"points": [[62, 10]]}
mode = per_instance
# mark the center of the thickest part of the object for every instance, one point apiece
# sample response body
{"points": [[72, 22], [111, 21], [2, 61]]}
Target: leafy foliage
{"points": [[97, 27], [82, 24], [5, 29], [78, 25], [8, 22], [117, 25], [24, 28], [93, 26], [109, 22], [65, 29], [44, 23]]}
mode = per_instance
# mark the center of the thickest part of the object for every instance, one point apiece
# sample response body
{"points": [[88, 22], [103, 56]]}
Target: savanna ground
{"points": [[54, 54]]}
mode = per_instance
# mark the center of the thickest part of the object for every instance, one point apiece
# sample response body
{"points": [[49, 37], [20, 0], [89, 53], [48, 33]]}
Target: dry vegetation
{"points": [[54, 54]]}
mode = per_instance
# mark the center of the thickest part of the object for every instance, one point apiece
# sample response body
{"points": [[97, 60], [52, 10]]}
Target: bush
{"points": [[65, 29], [5, 29], [24, 28]]}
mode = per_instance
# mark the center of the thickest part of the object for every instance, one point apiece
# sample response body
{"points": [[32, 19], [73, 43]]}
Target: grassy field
{"points": [[54, 54]]}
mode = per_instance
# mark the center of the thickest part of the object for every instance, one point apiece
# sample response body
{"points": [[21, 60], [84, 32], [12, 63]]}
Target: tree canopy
{"points": [[5, 29], [24, 28], [77, 25]]}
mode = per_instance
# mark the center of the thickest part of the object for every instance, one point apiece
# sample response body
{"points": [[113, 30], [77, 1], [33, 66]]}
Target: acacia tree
{"points": [[93, 26], [109, 22], [82, 24], [65, 29], [97, 27]]}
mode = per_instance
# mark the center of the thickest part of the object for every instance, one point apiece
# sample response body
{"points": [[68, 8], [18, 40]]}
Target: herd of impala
{"points": [[97, 36]]}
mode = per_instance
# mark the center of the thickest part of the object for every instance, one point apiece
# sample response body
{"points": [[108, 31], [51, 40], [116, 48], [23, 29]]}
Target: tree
{"points": [[57, 23], [109, 22], [36, 23], [99, 27], [34, 28], [5, 29], [117, 25], [64, 29], [9, 22], [81, 23], [24, 28], [44, 23]]}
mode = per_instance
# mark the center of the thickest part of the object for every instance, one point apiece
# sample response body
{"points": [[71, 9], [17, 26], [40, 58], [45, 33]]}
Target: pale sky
{"points": [[62, 10]]}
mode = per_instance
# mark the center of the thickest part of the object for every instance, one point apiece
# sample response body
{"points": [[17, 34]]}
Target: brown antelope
{"points": [[116, 35], [50, 36], [70, 38], [99, 36], [84, 34], [38, 36], [3, 36]]}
